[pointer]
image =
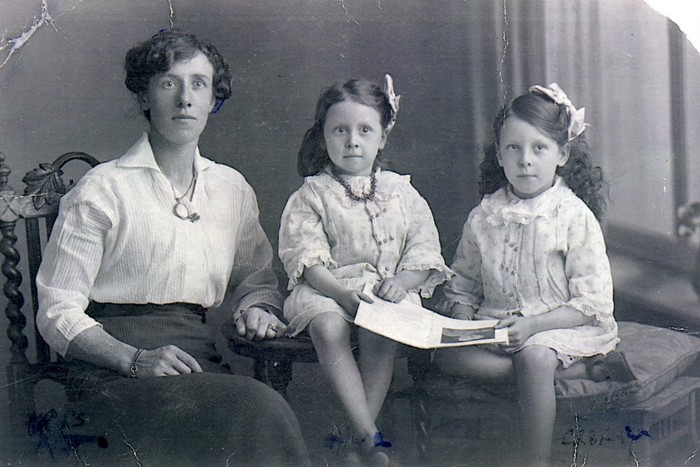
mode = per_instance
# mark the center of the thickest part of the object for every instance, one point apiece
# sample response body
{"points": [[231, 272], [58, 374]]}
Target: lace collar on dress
{"points": [[503, 206]]}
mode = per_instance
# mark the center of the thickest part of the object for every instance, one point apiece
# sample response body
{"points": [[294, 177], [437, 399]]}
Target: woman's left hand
{"points": [[256, 323], [519, 329]]}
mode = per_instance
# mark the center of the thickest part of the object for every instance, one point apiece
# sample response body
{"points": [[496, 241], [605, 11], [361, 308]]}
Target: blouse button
{"points": [[384, 210]]}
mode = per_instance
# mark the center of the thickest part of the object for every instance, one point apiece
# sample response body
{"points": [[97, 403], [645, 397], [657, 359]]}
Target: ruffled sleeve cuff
{"points": [[444, 306], [439, 273], [296, 270], [602, 312]]}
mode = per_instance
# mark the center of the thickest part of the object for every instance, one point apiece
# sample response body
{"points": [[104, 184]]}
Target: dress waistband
{"points": [[109, 310]]}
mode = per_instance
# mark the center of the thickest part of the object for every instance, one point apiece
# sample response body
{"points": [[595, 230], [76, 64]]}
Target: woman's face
{"points": [[180, 100]]}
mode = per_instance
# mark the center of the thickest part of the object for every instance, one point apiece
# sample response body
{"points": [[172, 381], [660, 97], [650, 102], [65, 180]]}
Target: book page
{"points": [[414, 325]]}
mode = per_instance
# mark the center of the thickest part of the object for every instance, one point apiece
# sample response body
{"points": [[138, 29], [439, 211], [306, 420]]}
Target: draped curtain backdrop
{"points": [[634, 72]]}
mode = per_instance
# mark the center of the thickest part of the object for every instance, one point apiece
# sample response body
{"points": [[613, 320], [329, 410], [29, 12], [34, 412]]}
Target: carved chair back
{"points": [[37, 209]]}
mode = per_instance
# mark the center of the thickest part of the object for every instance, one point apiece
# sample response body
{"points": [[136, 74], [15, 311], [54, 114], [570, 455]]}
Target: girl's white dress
{"points": [[359, 241], [529, 256]]}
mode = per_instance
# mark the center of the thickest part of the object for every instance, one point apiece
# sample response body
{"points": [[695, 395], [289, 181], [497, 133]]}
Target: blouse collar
{"points": [[504, 206], [140, 154]]}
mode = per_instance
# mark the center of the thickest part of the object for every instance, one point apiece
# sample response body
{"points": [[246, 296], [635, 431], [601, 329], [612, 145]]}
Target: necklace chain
{"points": [[351, 194], [183, 209], [189, 187]]}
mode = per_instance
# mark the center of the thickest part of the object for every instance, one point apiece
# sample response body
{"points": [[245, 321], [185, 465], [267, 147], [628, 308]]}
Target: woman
{"points": [[142, 247]]}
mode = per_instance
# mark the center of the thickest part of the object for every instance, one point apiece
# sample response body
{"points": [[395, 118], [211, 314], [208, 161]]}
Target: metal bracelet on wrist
{"points": [[133, 368]]}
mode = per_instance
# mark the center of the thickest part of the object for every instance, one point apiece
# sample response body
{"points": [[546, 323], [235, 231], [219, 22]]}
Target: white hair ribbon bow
{"points": [[388, 88], [576, 117]]}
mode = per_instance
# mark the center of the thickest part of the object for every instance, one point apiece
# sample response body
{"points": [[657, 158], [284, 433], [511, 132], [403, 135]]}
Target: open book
{"points": [[416, 326]]}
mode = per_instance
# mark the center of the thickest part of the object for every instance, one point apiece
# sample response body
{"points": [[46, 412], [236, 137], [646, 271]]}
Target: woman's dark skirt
{"points": [[209, 418]]}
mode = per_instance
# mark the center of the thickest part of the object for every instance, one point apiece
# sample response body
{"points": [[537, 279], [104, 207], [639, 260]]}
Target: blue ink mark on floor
{"points": [[52, 431], [634, 437], [332, 440]]}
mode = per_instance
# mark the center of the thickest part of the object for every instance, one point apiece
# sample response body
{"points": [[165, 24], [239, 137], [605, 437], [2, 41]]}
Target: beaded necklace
{"points": [[351, 194]]}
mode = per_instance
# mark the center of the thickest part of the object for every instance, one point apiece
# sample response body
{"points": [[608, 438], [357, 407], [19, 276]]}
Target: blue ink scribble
{"points": [[332, 441], [591, 437], [634, 437], [53, 432]]}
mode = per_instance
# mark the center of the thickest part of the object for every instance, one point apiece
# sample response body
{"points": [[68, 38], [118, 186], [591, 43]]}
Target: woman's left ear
{"points": [[563, 155]]}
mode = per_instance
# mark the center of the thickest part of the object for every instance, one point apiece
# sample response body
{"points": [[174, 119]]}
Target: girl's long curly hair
{"points": [[313, 156], [584, 179]]}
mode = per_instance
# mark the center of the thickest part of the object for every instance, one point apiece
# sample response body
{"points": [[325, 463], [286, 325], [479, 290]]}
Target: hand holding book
{"points": [[413, 325]]}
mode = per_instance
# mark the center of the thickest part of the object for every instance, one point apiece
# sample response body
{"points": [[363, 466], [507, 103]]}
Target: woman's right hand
{"points": [[168, 360]]}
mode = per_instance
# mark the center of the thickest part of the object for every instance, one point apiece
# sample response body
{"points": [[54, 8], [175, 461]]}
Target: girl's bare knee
{"points": [[369, 338], [536, 357], [329, 327]]}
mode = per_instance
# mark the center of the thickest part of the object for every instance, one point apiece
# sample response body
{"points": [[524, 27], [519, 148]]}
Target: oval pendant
{"points": [[181, 211]]}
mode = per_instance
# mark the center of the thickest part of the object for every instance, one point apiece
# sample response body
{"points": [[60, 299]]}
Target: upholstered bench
{"points": [[646, 415]]}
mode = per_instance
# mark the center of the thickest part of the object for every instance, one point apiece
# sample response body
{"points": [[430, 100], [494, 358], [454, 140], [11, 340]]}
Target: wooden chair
{"points": [[37, 209]]}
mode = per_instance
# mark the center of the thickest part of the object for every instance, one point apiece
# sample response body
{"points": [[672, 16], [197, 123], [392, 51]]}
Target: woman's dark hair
{"points": [[584, 179], [157, 55], [313, 156]]}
